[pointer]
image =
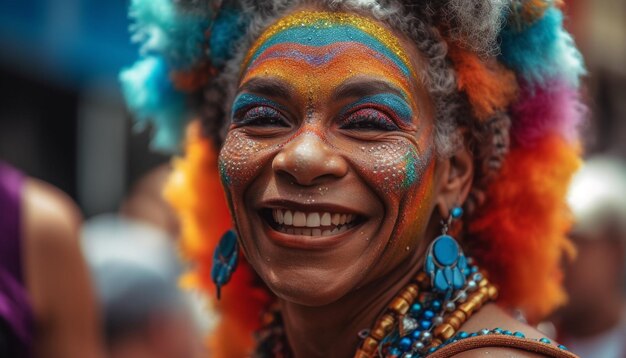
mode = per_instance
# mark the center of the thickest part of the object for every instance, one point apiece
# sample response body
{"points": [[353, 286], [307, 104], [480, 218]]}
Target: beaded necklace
{"points": [[415, 323]]}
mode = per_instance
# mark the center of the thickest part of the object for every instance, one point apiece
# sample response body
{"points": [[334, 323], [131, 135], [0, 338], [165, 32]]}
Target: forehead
{"points": [[331, 46]]}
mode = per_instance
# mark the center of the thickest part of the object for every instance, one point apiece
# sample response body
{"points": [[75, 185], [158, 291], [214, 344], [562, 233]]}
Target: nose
{"points": [[308, 160]]}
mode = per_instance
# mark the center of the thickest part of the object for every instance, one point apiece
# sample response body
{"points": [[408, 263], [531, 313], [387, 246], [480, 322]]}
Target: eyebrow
{"points": [[268, 86], [366, 87]]}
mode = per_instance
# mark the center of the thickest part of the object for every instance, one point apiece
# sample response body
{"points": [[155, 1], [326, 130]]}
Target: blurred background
{"points": [[62, 118]]}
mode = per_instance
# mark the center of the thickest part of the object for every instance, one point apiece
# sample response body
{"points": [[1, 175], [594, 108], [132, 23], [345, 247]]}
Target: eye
{"points": [[369, 119], [260, 116]]}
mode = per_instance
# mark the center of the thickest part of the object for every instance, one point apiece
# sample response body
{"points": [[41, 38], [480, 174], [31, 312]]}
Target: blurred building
{"points": [[62, 118]]}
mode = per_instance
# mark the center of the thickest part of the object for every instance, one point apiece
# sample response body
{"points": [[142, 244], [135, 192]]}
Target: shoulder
{"points": [[50, 226], [51, 220], [491, 317]]}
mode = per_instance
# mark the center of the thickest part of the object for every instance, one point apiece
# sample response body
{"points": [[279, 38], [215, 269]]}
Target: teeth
{"points": [[311, 224], [325, 221], [313, 220], [288, 218], [299, 219]]}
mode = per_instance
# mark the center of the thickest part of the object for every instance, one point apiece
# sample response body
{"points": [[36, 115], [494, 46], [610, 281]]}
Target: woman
{"points": [[47, 306], [365, 148]]}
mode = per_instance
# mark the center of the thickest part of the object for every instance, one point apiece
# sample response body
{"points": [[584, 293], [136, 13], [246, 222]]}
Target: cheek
{"points": [[392, 169], [240, 160]]}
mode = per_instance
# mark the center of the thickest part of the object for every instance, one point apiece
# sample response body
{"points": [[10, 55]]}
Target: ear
{"points": [[456, 174]]}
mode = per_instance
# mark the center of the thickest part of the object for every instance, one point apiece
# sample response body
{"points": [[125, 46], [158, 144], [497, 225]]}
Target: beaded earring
{"points": [[225, 259], [446, 263]]}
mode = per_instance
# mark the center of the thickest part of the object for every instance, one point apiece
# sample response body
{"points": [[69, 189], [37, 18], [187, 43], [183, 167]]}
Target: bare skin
{"points": [[280, 159], [57, 278]]}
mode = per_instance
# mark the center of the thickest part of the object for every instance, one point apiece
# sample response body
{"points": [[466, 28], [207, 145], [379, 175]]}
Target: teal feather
{"points": [[152, 98], [542, 50]]}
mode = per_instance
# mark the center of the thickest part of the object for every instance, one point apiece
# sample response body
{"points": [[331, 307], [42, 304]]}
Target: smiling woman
{"points": [[365, 147]]}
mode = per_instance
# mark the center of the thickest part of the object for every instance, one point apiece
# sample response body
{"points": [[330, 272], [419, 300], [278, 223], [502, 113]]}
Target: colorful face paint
{"points": [[318, 29], [330, 119]]}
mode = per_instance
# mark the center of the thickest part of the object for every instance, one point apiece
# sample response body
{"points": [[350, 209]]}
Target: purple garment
{"points": [[15, 310]]}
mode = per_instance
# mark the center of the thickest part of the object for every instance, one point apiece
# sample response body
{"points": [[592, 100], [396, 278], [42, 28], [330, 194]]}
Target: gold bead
{"points": [[383, 327], [493, 292], [422, 280], [444, 331], [400, 306], [369, 346], [459, 315], [467, 308], [454, 322], [436, 342]]}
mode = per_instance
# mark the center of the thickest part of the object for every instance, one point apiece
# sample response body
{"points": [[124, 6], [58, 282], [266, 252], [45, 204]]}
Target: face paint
{"points": [[329, 103]]}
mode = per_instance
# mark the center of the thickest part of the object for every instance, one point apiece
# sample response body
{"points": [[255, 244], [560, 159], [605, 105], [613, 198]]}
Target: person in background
{"points": [[593, 324], [137, 270], [47, 307]]}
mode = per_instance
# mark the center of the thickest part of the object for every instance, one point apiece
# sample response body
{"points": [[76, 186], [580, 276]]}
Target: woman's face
{"points": [[329, 162]]}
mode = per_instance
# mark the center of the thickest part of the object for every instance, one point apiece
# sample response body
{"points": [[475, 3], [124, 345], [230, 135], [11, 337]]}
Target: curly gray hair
{"points": [[473, 24]]}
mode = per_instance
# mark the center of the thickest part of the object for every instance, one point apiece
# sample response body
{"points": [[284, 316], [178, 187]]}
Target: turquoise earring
{"points": [[446, 264], [225, 259]]}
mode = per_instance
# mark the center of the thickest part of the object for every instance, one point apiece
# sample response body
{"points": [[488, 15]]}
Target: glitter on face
{"points": [[320, 28], [347, 99]]}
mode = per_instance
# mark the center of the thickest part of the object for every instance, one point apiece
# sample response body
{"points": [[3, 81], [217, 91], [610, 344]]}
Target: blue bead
{"points": [[462, 334], [562, 347], [416, 334], [446, 250], [474, 334], [416, 308], [432, 350], [436, 305], [519, 334], [405, 344], [544, 340], [497, 330], [474, 269], [394, 351], [507, 332], [428, 314], [425, 324], [456, 212]]}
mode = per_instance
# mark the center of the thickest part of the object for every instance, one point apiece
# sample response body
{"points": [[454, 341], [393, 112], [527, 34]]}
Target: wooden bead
{"points": [[370, 345], [400, 306], [444, 331], [383, 327]]}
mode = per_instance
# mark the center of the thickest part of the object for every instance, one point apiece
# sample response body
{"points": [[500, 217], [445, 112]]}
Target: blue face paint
{"points": [[248, 100]]}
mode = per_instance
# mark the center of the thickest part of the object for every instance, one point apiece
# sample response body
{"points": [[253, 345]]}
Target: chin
{"points": [[309, 287]]}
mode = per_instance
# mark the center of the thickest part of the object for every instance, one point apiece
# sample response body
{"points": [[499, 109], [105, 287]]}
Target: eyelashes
{"points": [[261, 116], [253, 110], [369, 119], [381, 112]]}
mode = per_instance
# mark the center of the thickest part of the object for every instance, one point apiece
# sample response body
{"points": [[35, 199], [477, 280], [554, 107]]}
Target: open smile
{"points": [[311, 227]]}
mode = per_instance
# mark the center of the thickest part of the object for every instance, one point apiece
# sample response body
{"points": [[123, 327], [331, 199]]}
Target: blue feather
{"points": [[152, 98], [542, 51]]}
